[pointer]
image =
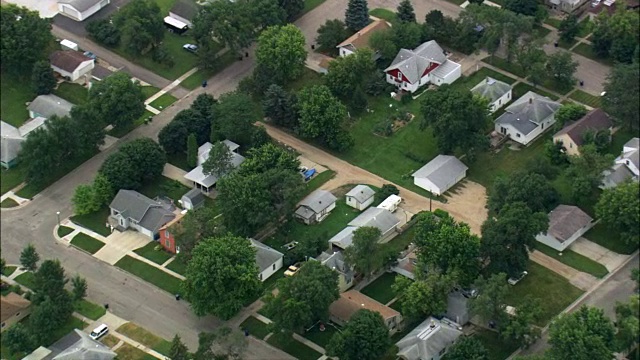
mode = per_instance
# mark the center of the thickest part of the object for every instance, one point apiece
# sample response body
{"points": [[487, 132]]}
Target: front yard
{"points": [[293, 347], [602, 236], [150, 253], [587, 99], [95, 221], [164, 101], [380, 289], [255, 327], [150, 274], [89, 309], [321, 338], [120, 132], [575, 260], [145, 337], [10, 178], [15, 92], [87, 243]]}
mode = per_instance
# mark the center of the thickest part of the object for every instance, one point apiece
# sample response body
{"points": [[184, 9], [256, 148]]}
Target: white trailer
{"points": [[391, 203], [68, 45]]}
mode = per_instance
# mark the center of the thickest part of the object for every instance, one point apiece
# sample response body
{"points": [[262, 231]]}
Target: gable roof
{"points": [[566, 220], [360, 40], [631, 151], [10, 142], [186, 9], [11, 304], [49, 105], [77, 345], [336, 262], [616, 175], [149, 214], [442, 170], [383, 219], [594, 120], [197, 175], [318, 200], [265, 255], [413, 63], [67, 60], [526, 113], [80, 5], [195, 196], [351, 301], [427, 340], [491, 88], [361, 193]]}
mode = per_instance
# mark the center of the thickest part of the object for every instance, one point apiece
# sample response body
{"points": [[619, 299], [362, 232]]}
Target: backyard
{"points": [[293, 347], [87, 243], [15, 92], [321, 338], [496, 347], [163, 186], [380, 289], [150, 274], [73, 93]]}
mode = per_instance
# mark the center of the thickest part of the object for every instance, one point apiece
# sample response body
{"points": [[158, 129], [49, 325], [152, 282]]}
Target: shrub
{"points": [[384, 127]]}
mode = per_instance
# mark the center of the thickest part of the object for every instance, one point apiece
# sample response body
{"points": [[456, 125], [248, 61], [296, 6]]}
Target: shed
{"points": [[360, 197], [440, 174], [192, 199], [566, 224]]}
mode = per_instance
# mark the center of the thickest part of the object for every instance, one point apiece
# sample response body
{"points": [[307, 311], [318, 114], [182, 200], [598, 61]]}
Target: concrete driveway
{"points": [[118, 244], [582, 281], [611, 260]]}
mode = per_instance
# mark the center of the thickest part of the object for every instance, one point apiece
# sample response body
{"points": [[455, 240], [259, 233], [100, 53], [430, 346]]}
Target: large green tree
{"points": [[405, 11], [279, 106], [235, 118], [619, 209], [561, 68], [568, 113], [293, 8], [281, 52], [519, 186], [569, 28], [227, 22], [29, 257], [117, 100], [268, 157], [141, 25], [467, 348], [199, 223], [174, 136], [628, 322], [84, 200], [19, 339], [219, 162], [43, 81], [89, 129], [523, 7], [490, 305], [365, 337], [520, 328], [622, 91], [135, 164], [425, 296], [350, 73], [586, 334], [586, 170], [365, 253], [179, 350], [357, 14], [330, 34]]}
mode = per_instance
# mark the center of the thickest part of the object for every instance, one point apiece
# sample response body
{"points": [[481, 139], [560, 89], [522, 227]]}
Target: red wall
{"points": [[163, 240]]}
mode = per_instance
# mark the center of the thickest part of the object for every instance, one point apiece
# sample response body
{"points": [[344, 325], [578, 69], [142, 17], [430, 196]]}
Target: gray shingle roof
{"points": [[361, 193], [49, 105], [344, 238], [442, 170], [526, 113], [336, 262], [616, 175], [634, 155], [566, 220], [594, 120], [318, 200], [187, 9], [148, 213], [633, 143], [80, 5], [195, 196], [491, 89], [425, 341], [265, 255], [85, 348], [381, 218], [413, 63]]}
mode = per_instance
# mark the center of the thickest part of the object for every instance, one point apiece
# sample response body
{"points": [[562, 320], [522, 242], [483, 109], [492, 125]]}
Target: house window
{"points": [[627, 162], [517, 134], [167, 243], [542, 126], [273, 267], [166, 233], [571, 145]]}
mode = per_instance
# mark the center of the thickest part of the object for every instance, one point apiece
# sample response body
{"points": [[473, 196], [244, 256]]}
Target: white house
{"points": [[360, 197], [383, 219], [429, 340], [45, 106], [132, 210], [497, 92], [440, 174], [527, 117], [11, 140], [72, 65], [625, 167], [204, 182], [566, 224], [426, 64], [315, 207], [360, 40], [268, 260], [80, 10]]}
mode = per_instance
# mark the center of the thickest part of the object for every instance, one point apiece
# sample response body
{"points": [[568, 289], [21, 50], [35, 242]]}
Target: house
{"points": [[72, 65], [184, 11], [167, 233], [497, 92], [12, 138], [46, 106], [336, 262], [567, 6], [429, 340], [315, 207], [440, 174], [572, 135], [566, 224], [360, 197], [458, 308], [206, 183], [406, 265], [80, 10], [610, 7], [132, 210], [341, 310], [13, 308], [381, 218], [192, 199], [268, 260], [625, 167], [360, 40], [527, 117], [426, 64]]}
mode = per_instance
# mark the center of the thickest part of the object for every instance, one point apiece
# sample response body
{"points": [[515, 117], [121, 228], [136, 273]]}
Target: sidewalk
{"points": [[175, 173], [171, 86]]}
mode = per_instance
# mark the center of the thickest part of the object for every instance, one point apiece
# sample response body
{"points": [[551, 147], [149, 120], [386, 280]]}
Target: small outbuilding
{"points": [[192, 199], [360, 197], [440, 174], [316, 207], [566, 224], [80, 10]]}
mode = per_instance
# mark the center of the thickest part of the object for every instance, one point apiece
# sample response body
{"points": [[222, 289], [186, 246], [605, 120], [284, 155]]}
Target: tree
{"points": [[561, 67], [79, 287], [293, 8], [348, 74], [178, 350], [84, 200], [117, 100], [569, 28], [383, 42], [586, 334], [192, 150], [330, 34], [520, 328], [365, 337], [50, 281], [42, 79], [269, 157], [221, 268], [29, 257], [219, 161], [232, 343], [199, 223], [388, 190], [104, 32], [621, 90], [568, 113], [425, 296], [489, 305], [45, 319], [458, 118], [281, 52], [228, 22], [467, 348], [279, 106], [556, 153], [598, 138], [530, 55], [507, 240], [102, 190], [19, 339], [267, 13], [135, 164], [3, 264], [173, 137], [89, 130], [364, 253], [120, 172], [235, 118], [523, 7], [407, 35], [586, 171], [405, 11], [627, 322], [141, 25], [308, 295], [24, 40], [618, 209], [357, 15], [519, 187], [321, 116]]}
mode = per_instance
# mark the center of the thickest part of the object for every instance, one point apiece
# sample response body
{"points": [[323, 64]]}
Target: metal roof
{"points": [[413, 63], [442, 170]]}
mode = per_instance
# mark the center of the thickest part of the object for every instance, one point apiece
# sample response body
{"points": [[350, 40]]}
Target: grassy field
{"points": [[109, 340], [255, 327], [149, 252], [163, 101], [87, 243], [8, 203], [321, 338], [89, 309], [27, 280], [15, 92], [8, 270], [385, 14], [149, 91], [551, 85], [10, 178], [199, 76], [318, 180], [73, 93], [164, 186], [380, 289], [293, 347], [64, 231], [496, 347], [575, 260], [602, 236], [587, 99], [553, 22], [150, 274], [585, 27], [587, 51], [120, 132], [145, 337], [94, 221]]}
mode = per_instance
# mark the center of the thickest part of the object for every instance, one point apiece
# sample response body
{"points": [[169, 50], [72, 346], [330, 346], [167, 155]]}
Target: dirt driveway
{"points": [[466, 203]]}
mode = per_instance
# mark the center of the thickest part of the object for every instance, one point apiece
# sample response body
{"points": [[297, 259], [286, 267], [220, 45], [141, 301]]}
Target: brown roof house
{"points": [[72, 65], [572, 136], [566, 224], [360, 40], [341, 310], [13, 309]]}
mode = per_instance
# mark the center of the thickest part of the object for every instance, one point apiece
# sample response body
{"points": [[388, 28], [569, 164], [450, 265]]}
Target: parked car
{"points": [[514, 280], [290, 245], [190, 47], [292, 270], [89, 54], [98, 332], [303, 169]]}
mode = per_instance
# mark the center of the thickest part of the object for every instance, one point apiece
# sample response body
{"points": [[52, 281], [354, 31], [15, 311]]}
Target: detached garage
{"points": [[80, 10], [440, 174]]}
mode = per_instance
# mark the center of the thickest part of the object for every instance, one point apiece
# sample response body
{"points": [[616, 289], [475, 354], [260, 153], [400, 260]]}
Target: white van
{"points": [[100, 331]]}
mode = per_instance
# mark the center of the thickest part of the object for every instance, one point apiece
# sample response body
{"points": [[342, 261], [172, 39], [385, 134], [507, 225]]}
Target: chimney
{"points": [[359, 34], [433, 324], [531, 100]]}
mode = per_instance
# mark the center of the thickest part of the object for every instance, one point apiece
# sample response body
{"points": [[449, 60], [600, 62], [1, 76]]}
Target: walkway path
{"points": [[582, 281], [175, 173], [11, 195], [171, 86]]}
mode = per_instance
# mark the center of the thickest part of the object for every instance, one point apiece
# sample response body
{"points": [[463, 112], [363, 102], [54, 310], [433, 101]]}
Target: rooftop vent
{"points": [[490, 81]]}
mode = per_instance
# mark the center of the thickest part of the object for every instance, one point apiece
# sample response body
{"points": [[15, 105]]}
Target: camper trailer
{"points": [[391, 203]]}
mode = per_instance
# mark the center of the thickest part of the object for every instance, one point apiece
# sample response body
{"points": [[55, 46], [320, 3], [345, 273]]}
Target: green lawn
{"points": [[89, 309], [587, 51], [145, 337], [150, 274], [255, 327], [585, 27], [73, 93], [177, 266], [554, 292], [575, 260], [602, 236], [10, 178], [385, 14], [95, 221], [120, 132], [163, 186], [321, 338], [318, 181], [587, 99], [310, 5], [401, 241], [566, 44], [64, 231], [87, 243], [27, 280], [553, 22], [380, 289], [150, 253], [8, 203], [523, 88], [128, 352], [551, 85], [179, 160], [149, 91], [619, 139], [308, 78], [163, 101], [8, 270], [503, 64], [196, 79], [15, 92], [293, 347], [540, 31], [496, 347], [473, 79], [271, 282]]}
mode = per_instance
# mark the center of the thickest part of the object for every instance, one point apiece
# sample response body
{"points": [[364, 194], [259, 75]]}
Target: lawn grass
{"points": [[177, 266], [8, 270], [587, 99], [496, 347], [310, 5], [149, 91], [73, 93], [150, 253], [87, 243], [8, 203], [539, 284], [128, 352], [505, 65], [271, 282], [602, 236], [385, 14], [587, 51], [619, 138], [566, 44], [255, 327], [575, 260], [145, 337], [163, 101], [308, 78], [196, 79], [401, 241], [553, 86], [540, 31], [15, 92], [179, 161], [27, 279], [380, 289], [318, 181], [95, 221], [109, 341], [89, 309], [64, 231], [321, 338], [150, 274], [585, 27], [523, 88], [120, 132], [553, 22], [293, 347], [10, 178], [472, 80], [163, 186]]}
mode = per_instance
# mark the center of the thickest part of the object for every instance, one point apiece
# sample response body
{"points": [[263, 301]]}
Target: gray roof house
{"points": [[497, 92], [11, 139], [206, 182], [360, 197], [336, 262], [527, 117], [626, 166], [316, 207], [458, 308], [566, 224], [429, 340], [130, 209], [77, 345], [381, 218], [48, 105], [268, 259], [440, 174]]}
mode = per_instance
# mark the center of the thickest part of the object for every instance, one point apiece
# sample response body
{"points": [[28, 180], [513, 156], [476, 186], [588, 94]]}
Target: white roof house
{"points": [[11, 139], [429, 340], [316, 206], [268, 259], [566, 224], [440, 174], [206, 182], [360, 197], [527, 117], [626, 166], [381, 218], [80, 10], [497, 92], [46, 106]]}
